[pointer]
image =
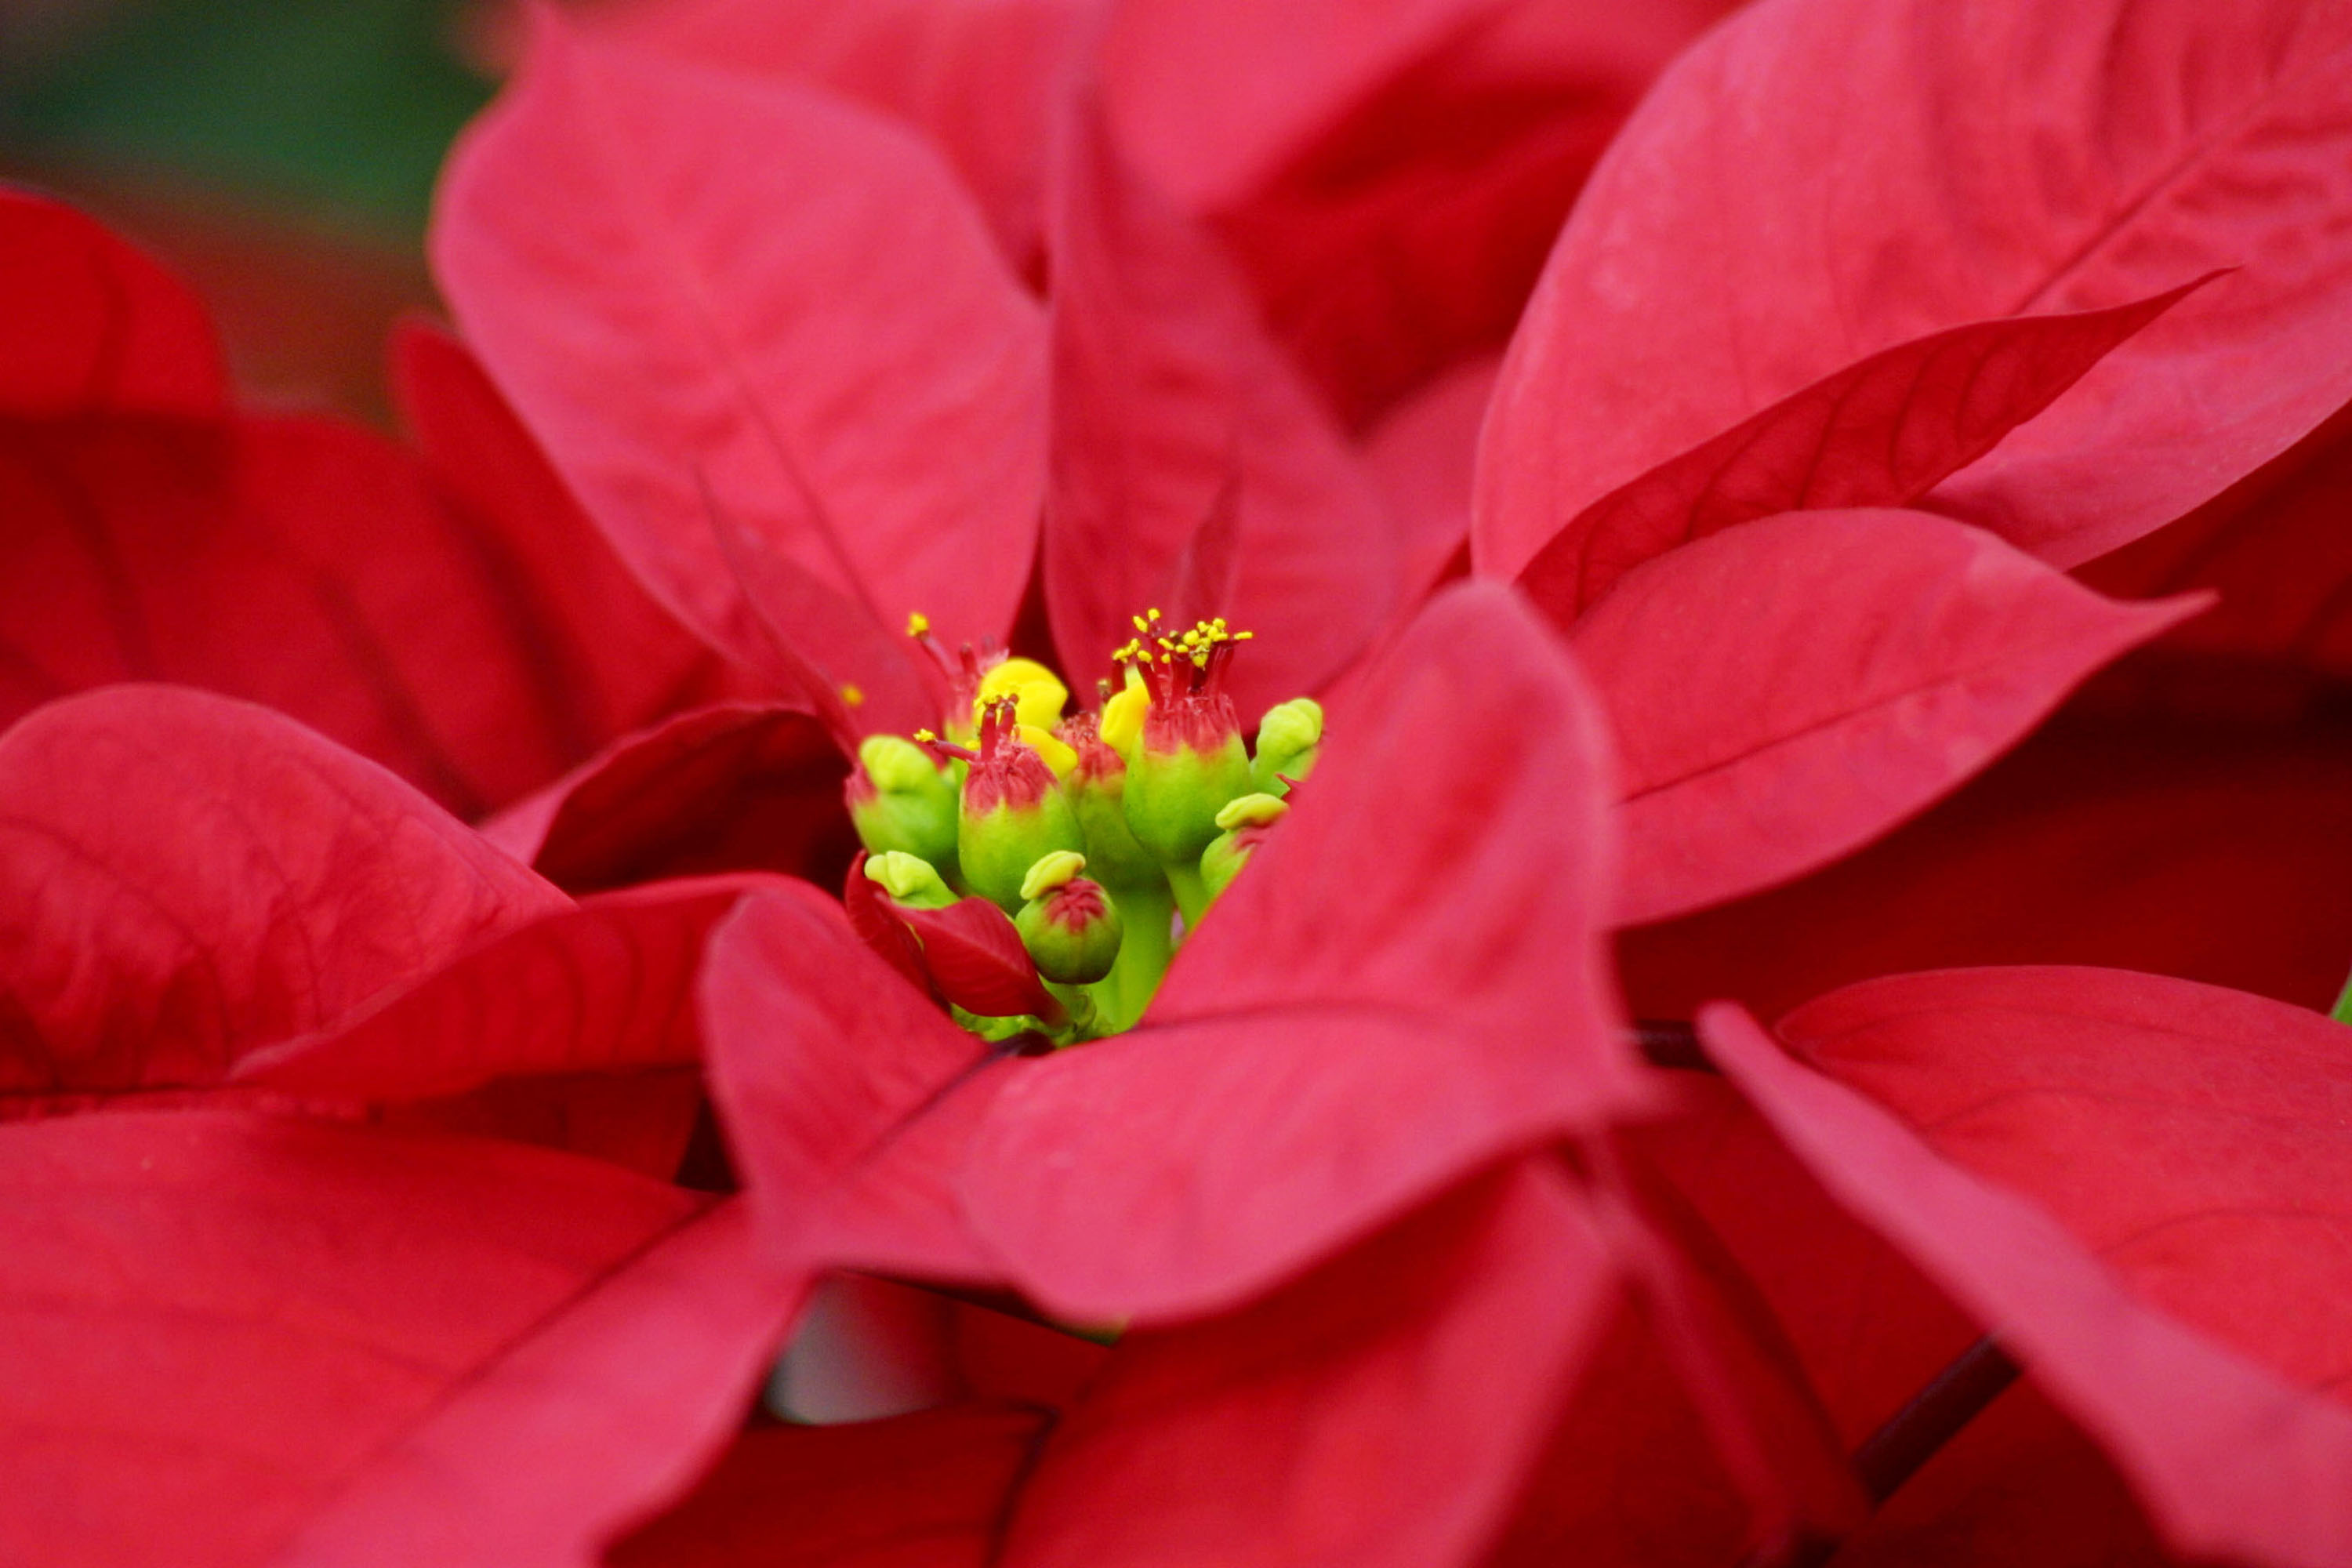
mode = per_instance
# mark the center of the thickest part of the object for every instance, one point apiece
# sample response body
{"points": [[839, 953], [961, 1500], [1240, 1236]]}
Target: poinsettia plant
{"points": [[982, 765]]}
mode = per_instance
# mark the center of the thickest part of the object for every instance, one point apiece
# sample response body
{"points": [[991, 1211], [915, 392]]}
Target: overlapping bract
{"points": [[1416, 1263]]}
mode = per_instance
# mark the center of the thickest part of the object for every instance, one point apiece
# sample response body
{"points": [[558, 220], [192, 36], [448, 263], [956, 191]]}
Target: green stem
{"points": [[2343, 1014], [1191, 895], [1144, 950]]}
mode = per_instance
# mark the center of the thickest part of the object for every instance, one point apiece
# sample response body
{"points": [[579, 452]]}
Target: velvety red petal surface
{"points": [[732, 787], [979, 80], [281, 1315], [2206, 847], [2227, 1459], [1423, 455], [300, 563], [1822, 179], [1405, 232], [610, 659], [835, 1077], [1789, 690], [237, 881], [1881, 432], [917, 1491], [1169, 405], [604, 986], [1381, 1411], [95, 327], [600, 1414], [1403, 985], [2195, 1137], [1214, 97], [973, 953], [2273, 547], [710, 291]]}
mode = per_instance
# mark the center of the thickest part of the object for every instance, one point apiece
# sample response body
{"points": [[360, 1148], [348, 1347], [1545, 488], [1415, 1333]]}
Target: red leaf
{"points": [[917, 1491], [1744, 1382], [2211, 851], [1407, 229], [1414, 952], [833, 1074], [602, 1413], [2228, 1460], [1215, 96], [1792, 689], [1881, 432], [2276, 549], [1816, 182], [1170, 407], [1384, 1410], [1423, 455], [2193, 1138], [602, 987], [974, 953], [303, 563], [819, 649], [979, 80], [340, 1316], [876, 921], [236, 880], [93, 326], [796, 313], [728, 788], [608, 657]]}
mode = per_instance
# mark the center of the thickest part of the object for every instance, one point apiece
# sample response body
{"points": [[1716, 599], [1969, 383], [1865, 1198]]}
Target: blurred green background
{"points": [[280, 153]]}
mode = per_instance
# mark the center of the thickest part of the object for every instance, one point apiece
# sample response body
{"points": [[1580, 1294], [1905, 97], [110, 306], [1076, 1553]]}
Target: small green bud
{"points": [[1173, 793], [902, 800], [1013, 812], [1070, 927], [1287, 738], [909, 882], [1244, 822], [1096, 787]]}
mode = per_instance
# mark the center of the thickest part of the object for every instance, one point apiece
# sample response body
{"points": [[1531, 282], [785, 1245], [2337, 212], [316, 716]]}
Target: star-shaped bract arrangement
{"points": [[1638, 1343]]}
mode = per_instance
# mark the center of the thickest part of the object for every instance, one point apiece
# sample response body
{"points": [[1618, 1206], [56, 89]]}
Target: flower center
{"points": [[1086, 845]]}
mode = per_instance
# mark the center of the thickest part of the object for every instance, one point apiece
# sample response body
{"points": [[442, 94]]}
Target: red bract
{"points": [[156, 535], [1800, 246], [833, 403], [2228, 1457], [1903, 651], [868, 361], [240, 1339], [1389, 176], [1409, 901]]}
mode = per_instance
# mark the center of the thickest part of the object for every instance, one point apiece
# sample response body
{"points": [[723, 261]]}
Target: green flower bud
{"points": [[1070, 927], [902, 800], [909, 882], [1013, 812], [1188, 759], [1096, 787], [1287, 738], [1244, 822]]}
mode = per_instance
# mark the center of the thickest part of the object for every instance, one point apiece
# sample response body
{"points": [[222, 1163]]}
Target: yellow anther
{"points": [[1051, 871], [853, 696], [918, 624], [926, 736], [1058, 756], [1038, 693]]}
